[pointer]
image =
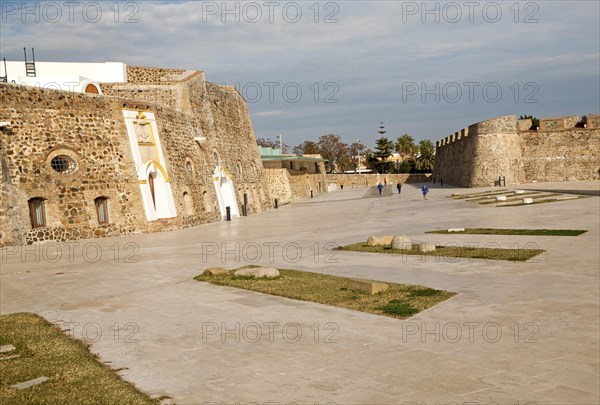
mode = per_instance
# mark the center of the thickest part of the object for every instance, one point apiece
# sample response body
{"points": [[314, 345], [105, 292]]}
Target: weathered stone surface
{"points": [[559, 151], [401, 242], [500, 198], [380, 240], [426, 247], [91, 130], [527, 200], [258, 272], [368, 180], [30, 383], [7, 348], [519, 191], [215, 271], [368, 286]]}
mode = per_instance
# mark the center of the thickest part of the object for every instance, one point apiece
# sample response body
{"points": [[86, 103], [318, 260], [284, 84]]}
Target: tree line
{"points": [[343, 157]]}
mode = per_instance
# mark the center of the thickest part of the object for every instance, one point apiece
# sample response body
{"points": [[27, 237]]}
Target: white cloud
{"points": [[369, 54]]}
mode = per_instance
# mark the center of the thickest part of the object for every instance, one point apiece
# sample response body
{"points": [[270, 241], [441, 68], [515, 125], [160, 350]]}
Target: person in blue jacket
{"points": [[380, 188], [425, 191]]}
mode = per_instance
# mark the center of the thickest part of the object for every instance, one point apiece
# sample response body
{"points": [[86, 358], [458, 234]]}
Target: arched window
{"points": [[102, 209], [92, 89], [37, 212], [189, 166], [217, 158], [189, 204], [207, 202]]}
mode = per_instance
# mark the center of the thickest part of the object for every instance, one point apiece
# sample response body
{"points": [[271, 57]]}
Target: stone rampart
{"points": [[560, 150], [201, 126]]}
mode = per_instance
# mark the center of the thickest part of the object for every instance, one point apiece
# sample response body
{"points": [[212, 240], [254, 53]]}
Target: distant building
{"points": [[291, 177]]}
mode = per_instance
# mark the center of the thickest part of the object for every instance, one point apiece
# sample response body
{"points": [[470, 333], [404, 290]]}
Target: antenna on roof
{"points": [[30, 66], [4, 79]]}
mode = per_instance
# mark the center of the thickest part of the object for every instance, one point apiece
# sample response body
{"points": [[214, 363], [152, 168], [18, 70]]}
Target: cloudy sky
{"points": [[310, 68]]}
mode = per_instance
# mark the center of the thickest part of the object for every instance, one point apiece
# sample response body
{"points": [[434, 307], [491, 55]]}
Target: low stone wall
{"points": [[368, 180], [288, 186]]}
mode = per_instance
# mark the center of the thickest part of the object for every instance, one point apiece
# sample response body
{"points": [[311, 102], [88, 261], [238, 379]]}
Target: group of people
{"points": [[424, 189]]}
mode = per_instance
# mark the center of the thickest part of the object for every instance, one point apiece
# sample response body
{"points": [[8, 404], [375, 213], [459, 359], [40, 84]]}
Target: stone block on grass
{"points": [[7, 348], [426, 247], [258, 272], [215, 271], [527, 200], [30, 383], [370, 287], [456, 230], [401, 242], [380, 240]]}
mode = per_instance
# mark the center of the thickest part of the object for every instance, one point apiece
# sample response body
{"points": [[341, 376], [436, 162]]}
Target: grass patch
{"points": [[76, 375], [399, 301], [529, 232], [515, 255], [399, 309]]}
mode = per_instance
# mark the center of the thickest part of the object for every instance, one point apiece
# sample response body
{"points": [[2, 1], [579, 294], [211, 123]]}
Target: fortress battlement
{"points": [[561, 149]]}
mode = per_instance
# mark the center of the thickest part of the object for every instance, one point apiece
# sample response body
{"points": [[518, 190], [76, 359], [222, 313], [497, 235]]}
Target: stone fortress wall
{"points": [[288, 186], [479, 155], [201, 126]]}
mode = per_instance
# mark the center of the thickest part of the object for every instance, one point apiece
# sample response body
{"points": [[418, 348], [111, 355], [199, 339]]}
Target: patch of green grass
{"points": [[425, 292], [76, 375], [332, 290], [398, 308], [532, 232], [516, 255]]}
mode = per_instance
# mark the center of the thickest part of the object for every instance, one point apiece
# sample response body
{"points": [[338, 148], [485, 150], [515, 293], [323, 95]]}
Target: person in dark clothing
{"points": [[399, 187], [380, 188]]}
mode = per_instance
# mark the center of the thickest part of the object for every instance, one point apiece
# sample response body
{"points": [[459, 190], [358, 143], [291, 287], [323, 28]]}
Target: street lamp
{"points": [[280, 144], [357, 156]]}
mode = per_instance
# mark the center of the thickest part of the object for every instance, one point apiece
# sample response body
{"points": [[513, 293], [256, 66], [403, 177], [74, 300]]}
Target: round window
{"points": [[63, 164]]}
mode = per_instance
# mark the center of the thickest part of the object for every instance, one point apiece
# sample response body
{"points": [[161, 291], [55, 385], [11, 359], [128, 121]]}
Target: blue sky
{"points": [[309, 68]]}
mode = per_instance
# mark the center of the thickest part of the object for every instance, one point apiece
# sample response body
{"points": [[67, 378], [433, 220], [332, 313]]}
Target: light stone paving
{"points": [[516, 333]]}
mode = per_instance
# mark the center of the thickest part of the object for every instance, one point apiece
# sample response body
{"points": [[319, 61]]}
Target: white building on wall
{"points": [[66, 76]]}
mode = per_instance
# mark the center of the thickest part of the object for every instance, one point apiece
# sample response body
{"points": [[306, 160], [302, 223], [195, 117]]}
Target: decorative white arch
{"points": [[225, 192], [157, 193]]}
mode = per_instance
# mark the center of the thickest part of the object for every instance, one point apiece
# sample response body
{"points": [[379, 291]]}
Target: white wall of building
{"points": [[64, 75]]}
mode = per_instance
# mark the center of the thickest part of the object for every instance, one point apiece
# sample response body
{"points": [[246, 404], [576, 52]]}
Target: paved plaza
{"points": [[515, 333]]}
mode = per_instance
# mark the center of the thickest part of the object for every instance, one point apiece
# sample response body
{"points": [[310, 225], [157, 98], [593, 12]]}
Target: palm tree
{"points": [[426, 156], [405, 146]]}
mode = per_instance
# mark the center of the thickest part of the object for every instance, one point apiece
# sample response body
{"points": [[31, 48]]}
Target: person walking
{"points": [[380, 188], [425, 191], [399, 187]]}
